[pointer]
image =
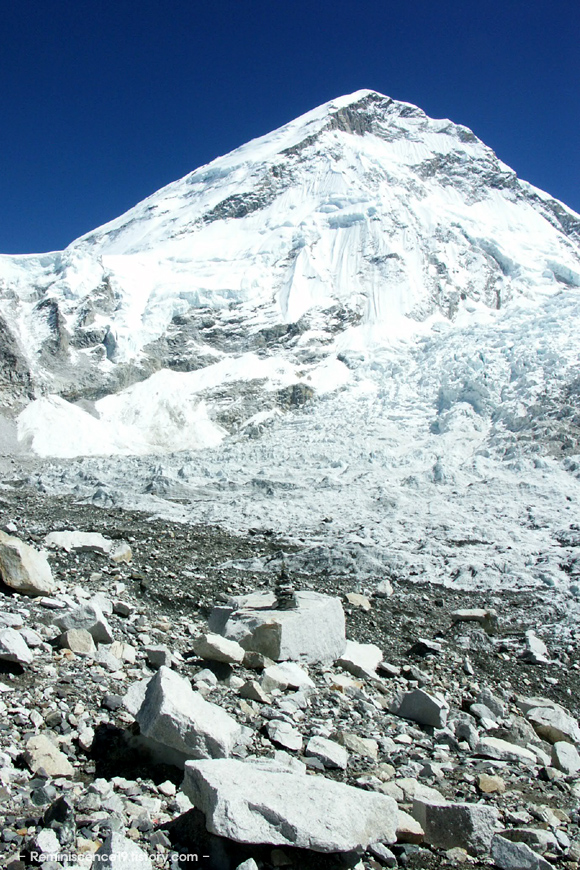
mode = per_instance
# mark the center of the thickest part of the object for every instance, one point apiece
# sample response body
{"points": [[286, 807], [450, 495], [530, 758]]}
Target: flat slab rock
{"points": [[81, 541], [265, 803], [312, 631]]}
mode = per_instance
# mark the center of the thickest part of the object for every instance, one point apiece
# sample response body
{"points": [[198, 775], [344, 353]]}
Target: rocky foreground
{"points": [[161, 707]]}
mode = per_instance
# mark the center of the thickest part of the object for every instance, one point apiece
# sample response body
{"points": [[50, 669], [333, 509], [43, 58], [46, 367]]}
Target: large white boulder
{"points": [[175, 716], [23, 568], [265, 803], [312, 631]]}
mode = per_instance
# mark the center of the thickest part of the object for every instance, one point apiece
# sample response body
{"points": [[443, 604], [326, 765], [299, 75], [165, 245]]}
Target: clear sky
{"points": [[104, 102]]}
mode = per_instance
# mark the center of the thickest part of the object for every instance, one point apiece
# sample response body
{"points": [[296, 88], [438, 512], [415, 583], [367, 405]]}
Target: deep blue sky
{"points": [[103, 102]]}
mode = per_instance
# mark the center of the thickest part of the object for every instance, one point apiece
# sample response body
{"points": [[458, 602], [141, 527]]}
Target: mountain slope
{"points": [[365, 210], [360, 330]]}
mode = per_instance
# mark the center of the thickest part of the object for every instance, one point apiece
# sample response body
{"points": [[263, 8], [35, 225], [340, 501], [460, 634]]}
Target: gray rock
{"points": [[486, 618], [79, 542], [284, 734], [360, 659], [88, 616], [566, 757], [554, 724], [420, 707], [158, 655], [44, 758], [536, 651], [364, 746], [214, 647], [79, 640], [121, 853], [45, 844], [384, 589], [175, 716], [313, 631], [253, 803], [383, 853], [449, 825], [508, 855], [252, 691], [13, 647], [331, 754], [503, 750], [23, 568], [285, 675], [536, 838]]}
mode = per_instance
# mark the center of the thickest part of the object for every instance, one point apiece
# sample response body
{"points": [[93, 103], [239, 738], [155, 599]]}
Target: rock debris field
{"points": [[163, 706]]}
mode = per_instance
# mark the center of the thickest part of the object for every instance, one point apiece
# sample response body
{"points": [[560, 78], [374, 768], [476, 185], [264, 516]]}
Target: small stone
{"points": [[44, 758], [360, 659], [364, 746], [490, 784], [167, 788], [124, 652], [122, 553], [158, 655], [121, 853], [252, 691], [205, 676], [331, 754], [422, 708], [284, 734], [90, 617], [536, 651], [384, 589], [86, 737], [486, 618], [358, 600], [285, 675], [13, 647], [255, 661], [408, 829], [122, 608], [566, 757], [216, 648], [383, 853], [78, 640]]}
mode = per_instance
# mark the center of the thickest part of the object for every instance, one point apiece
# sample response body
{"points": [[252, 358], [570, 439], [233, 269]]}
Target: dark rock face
{"points": [[15, 374]]}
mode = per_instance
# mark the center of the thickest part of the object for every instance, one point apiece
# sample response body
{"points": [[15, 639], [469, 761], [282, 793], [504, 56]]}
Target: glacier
{"points": [[359, 330]]}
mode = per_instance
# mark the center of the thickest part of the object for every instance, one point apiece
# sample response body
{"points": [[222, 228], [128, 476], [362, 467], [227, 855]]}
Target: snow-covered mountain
{"points": [[361, 327]]}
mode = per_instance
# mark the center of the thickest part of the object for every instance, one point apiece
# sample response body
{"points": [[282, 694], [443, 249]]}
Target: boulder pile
{"points": [[246, 736]]}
